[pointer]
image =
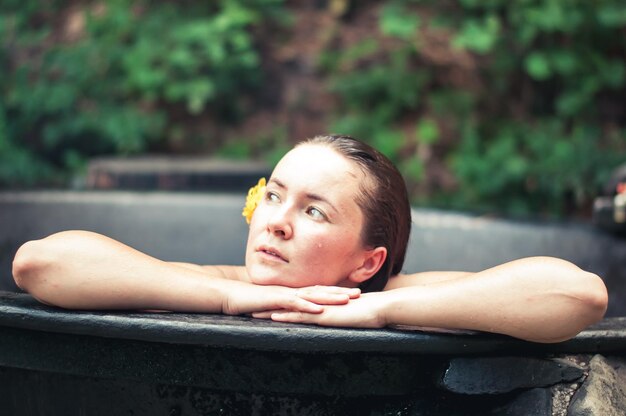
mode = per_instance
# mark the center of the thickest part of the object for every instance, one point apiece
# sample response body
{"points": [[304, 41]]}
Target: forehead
{"points": [[313, 163]]}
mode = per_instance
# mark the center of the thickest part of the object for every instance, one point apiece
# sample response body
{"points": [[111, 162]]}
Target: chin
{"points": [[261, 276], [266, 281]]}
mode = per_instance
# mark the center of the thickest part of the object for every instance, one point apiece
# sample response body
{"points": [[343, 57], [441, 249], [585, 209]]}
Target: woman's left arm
{"points": [[539, 299]]}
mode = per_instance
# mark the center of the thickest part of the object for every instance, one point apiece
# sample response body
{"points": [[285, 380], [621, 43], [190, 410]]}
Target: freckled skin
{"points": [[319, 249]]}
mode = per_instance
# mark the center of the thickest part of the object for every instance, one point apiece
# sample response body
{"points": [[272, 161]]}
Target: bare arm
{"points": [[84, 270], [539, 299], [226, 272], [423, 278]]}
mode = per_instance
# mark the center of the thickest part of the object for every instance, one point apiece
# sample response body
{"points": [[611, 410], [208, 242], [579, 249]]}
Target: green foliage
{"points": [[126, 78], [478, 35], [536, 125], [517, 106], [525, 169], [269, 146], [427, 131], [396, 21]]}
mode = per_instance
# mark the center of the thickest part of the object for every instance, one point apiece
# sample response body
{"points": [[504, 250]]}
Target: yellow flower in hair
{"points": [[252, 200]]}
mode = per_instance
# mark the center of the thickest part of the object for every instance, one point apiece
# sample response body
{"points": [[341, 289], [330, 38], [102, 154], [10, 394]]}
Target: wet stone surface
{"points": [[604, 390], [562, 396], [496, 375], [536, 402]]}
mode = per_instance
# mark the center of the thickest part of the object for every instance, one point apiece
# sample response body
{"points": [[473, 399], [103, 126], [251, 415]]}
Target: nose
{"points": [[280, 224]]}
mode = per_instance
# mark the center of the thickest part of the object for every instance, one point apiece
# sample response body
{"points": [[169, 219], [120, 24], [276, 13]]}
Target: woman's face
{"points": [[307, 228]]}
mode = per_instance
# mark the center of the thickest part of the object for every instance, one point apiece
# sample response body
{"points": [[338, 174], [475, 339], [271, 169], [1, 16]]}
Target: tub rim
{"points": [[215, 330]]}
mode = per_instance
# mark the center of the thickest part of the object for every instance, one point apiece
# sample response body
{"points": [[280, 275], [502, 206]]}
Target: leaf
{"points": [[427, 131], [537, 66], [478, 35], [388, 142], [396, 20]]}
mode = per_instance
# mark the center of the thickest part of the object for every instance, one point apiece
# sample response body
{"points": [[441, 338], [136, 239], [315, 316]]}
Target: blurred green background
{"points": [[515, 108]]}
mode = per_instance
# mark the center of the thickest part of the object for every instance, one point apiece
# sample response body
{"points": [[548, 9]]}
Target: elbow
{"points": [[586, 291], [588, 304], [594, 298], [577, 301], [28, 265], [31, 266]]}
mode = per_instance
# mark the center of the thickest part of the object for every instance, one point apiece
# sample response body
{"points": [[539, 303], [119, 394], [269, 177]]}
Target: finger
{"points": [[296, 303], [352, 292], [328, 295], [324, 298], [294, 317], [264, 314]]}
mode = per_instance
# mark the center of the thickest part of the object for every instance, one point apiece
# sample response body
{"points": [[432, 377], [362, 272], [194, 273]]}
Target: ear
{"points": [[372, 262]]}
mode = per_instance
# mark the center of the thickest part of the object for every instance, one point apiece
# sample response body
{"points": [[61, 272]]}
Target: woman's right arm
{"points": [[85, 270]]}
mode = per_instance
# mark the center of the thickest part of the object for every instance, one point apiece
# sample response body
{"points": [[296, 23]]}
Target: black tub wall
{"points": [[209, 229]]}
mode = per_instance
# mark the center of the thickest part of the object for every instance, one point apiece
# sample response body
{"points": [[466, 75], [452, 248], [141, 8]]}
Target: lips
{"points": [[272, 253]]}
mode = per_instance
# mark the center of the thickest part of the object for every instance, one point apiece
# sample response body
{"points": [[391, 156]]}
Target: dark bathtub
{"points": [[109, 363]]}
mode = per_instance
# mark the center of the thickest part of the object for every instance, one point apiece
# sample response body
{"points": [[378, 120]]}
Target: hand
{"points": [[246, 298], [364, 312]]}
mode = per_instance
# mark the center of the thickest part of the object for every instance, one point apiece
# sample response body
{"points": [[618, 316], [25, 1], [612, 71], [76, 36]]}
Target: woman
{"points": [[333, 220]]}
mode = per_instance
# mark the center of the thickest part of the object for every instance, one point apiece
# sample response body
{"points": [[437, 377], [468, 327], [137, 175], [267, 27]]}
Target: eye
{"points": [[271, 197], [315, 213]]}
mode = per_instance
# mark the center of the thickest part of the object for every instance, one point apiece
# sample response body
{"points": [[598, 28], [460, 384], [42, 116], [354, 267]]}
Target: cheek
{"points": [[326, 260], [258, 214], [330, 250], [254, 230], [326, 243], [258, 222]]}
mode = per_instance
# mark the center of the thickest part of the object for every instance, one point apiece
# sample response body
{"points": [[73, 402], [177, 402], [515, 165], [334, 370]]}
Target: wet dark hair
{"points": [[383, 200]]}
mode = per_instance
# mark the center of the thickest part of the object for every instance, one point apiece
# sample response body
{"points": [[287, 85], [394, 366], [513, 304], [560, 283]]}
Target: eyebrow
{"points": [[309, 195]]}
